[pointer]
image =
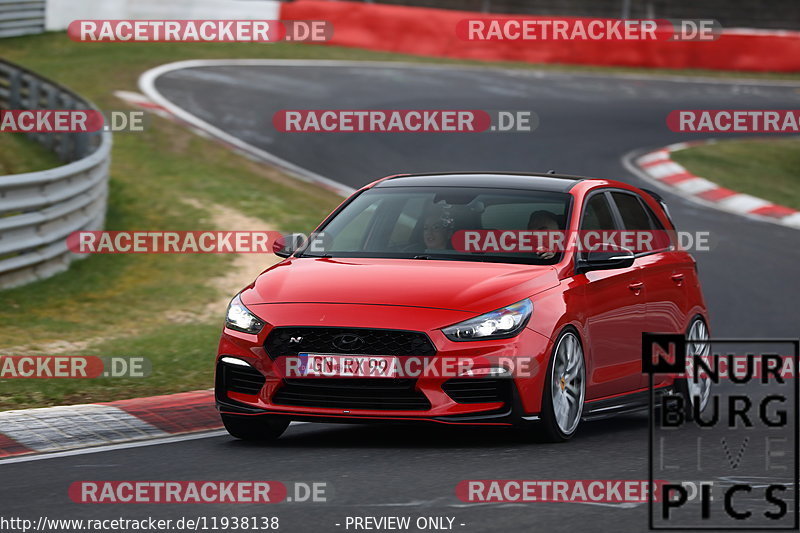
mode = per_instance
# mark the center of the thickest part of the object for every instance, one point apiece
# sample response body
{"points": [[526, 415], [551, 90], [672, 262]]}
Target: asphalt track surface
{"points": [[587, 123]]}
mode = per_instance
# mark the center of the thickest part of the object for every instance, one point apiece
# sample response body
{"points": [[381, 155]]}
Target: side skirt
{"points": [[627, 403]]}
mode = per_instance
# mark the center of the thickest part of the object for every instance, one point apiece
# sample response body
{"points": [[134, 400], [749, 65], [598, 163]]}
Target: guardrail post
{"points": [[14, 96]]}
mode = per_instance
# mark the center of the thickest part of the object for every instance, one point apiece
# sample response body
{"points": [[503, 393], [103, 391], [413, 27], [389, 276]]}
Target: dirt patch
{"points": [[243, 270]]}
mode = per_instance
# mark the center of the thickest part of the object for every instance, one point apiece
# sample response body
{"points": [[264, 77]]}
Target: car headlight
{"points": [[241, 319], [499, 324]]}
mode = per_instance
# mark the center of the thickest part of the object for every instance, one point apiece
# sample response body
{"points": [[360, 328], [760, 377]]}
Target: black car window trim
{"points": [[606, 192]]}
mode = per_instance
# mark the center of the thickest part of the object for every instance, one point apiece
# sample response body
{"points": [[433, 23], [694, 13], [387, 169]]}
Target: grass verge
{"points": [[18, 155], [181, 357], [765, 168]]}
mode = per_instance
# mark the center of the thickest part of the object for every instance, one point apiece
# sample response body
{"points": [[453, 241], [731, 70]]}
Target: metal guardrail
{"points": [[39, 209], [21, 17]]}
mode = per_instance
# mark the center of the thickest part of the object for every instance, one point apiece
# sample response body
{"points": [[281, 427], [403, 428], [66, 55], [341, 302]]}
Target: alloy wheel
{"points": [[567, 383], [700, 388]]}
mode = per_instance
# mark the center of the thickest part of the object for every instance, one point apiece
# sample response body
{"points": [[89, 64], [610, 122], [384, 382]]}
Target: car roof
{"points": [[500, 180]]}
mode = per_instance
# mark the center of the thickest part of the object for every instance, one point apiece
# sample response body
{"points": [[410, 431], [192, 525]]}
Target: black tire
{"points": [[548, 429], [263, 428]]}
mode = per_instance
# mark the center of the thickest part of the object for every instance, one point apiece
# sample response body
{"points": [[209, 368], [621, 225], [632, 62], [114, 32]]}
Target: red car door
{"points": [[663, 272], [615, 313]]}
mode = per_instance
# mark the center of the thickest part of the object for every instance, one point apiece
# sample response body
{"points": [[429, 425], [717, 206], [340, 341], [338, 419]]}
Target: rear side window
{"points": [[597, 215], [654, 221], [663, 206], [634, 216]]}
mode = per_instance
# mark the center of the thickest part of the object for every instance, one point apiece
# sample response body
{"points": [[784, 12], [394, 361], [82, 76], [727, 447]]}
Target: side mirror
{"points": [[608, 258], [286, 245]]}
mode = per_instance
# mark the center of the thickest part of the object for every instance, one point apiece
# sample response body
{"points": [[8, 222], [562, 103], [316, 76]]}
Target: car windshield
{"points": [[430, 222]]}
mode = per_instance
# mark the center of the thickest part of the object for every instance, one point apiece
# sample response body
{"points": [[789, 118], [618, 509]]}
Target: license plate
{"points": [[350, 366]]}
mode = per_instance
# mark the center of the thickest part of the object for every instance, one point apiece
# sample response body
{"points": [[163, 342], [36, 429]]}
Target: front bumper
{"points": [[526, 355], [507, 416]]}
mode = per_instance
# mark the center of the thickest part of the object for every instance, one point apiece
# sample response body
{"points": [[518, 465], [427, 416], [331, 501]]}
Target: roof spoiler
{"points": [[655, 195]]}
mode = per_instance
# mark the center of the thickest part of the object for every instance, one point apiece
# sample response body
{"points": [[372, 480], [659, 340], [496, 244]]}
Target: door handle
{"points": [[678, 278], [636, 287]]}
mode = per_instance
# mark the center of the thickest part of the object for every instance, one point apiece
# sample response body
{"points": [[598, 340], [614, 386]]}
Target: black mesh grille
{"points": [[478, 390], [242, 379], [293, 340], [352, 393]]}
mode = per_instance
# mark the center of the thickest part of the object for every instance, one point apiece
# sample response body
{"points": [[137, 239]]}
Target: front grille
{"points": [[478, 390], [242, 379], [283, 341], [352, 393]]}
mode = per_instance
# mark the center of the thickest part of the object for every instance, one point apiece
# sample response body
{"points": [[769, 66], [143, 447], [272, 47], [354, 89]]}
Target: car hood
{"points": [[457, 285]]}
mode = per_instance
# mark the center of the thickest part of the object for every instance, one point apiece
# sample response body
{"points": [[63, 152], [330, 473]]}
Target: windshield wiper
{"points": [[437, 257], [316, 256]]}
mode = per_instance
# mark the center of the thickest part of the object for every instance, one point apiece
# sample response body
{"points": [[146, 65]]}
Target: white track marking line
{"points": [[148, 78], [50, 429], [191, 63], [112, 447], [122, 446], [147, 86]]}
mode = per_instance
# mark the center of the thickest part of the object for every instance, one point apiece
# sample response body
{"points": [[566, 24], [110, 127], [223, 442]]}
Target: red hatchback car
{"points": [[384, 315]]}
